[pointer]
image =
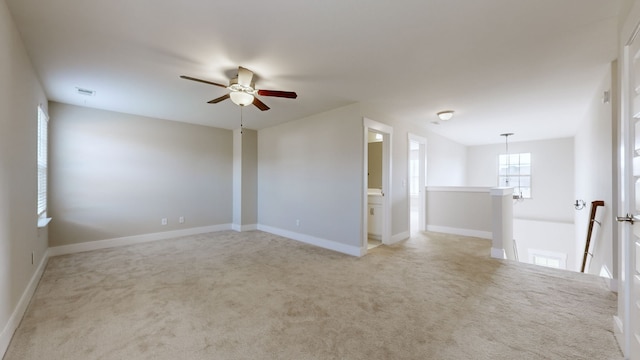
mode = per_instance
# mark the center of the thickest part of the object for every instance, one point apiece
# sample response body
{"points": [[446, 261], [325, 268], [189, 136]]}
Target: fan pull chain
{"points": [[241, 119]]}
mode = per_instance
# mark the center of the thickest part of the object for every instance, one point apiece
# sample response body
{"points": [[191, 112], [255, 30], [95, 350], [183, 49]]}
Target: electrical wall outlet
{"points": [[164, 221], [181, 219], [297, 222]]}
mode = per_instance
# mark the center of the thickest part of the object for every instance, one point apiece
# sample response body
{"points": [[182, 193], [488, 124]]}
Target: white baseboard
{"points": [[18, 312], [399, 237], [312, 240], [462, 232], [241, 228], [618, 333], [498, 253], [611, 282], [135, 239]]}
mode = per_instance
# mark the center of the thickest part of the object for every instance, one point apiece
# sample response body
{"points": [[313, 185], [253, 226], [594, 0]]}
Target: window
{"points": [[548, 262], [514, 170], [42, 161], [548, 258]]}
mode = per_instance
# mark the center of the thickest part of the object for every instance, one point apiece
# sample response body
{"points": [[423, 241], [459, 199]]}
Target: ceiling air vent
{"points": [[85, 92]]}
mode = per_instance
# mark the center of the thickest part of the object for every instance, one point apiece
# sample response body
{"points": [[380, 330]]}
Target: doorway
{"points": [[417, 147], [375, 142], [376, 207]]}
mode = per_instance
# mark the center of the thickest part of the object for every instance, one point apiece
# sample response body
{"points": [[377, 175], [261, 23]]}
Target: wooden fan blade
{"points": [[217, 100], [202, 81], [245, 76], [259, 104], [276, 93]]}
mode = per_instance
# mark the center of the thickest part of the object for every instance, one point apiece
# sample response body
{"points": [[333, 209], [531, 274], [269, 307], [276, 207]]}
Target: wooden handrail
{"points": [[594, 209]]}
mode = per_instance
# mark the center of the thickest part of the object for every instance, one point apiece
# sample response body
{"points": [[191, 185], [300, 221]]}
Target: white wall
{"points": [[20, 94], [552, 182], [594, 173], [446, 162], [533, 236], [115, 175], [552, 178]]}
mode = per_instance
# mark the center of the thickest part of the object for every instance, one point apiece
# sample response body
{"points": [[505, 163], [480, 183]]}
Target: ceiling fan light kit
{"points": [[241, 98], [243, 91]]}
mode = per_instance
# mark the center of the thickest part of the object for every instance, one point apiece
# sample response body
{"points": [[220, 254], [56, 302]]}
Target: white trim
{"points": [[131, 240], [617, 323], [378, 126], [463, 232], [399, 237], [618, 331], [459, 188], [43, 222], [241, 228], [25, 299], [374, 237], [501, 191], [611, 282], [498, 253], [605, 273], [312, 240], [418, 138]]}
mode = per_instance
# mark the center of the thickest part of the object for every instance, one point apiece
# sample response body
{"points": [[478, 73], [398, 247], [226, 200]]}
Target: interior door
{"points": [[629, 292]]}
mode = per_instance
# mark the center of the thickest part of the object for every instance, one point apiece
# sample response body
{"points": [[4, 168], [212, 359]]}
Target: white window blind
{"points": [[42, 161]]}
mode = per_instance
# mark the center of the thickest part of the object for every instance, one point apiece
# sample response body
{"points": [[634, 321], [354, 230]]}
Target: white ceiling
{"points": [[525, 66]]}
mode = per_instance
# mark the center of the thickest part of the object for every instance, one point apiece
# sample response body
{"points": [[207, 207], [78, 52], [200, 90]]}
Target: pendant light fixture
{"points": [[518, 196], [506, 151]]}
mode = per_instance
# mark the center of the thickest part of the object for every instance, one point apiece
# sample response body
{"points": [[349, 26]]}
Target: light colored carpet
{"points": [[254, 295]]}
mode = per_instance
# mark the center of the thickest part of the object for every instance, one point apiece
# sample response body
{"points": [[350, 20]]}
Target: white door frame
{"points": [[386, 131], [422, 161]]}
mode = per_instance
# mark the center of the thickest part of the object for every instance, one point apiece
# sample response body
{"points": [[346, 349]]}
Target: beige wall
{"points": [[466, 210], [375, 165], [20, 94], [245, 182], [114, 175], [301, 178]]}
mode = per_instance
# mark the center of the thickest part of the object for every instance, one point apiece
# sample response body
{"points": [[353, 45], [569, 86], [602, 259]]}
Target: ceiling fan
{"points": [[243, 90]]}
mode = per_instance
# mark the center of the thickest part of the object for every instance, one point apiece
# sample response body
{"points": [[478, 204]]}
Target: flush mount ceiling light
{"points": [[445, 115]]}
